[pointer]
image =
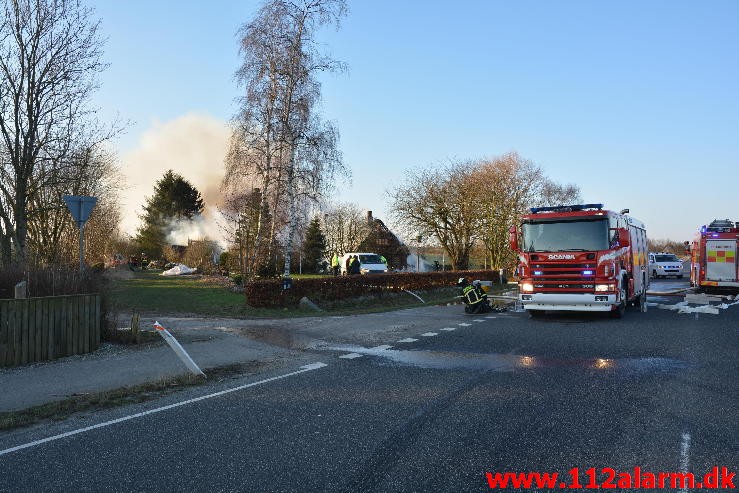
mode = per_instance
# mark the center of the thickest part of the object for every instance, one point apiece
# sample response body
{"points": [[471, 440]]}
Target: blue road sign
{"points": [[80, 207]]}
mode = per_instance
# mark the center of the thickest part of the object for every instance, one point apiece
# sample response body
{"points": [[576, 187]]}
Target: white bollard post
{"points": [[178, 349]]}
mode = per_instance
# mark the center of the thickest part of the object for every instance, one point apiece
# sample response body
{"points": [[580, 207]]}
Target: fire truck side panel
{"points": [[721, 260], [639, 276], [713, 254]]}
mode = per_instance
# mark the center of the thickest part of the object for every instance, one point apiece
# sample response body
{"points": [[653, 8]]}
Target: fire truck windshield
{"points": [[579, 235]]}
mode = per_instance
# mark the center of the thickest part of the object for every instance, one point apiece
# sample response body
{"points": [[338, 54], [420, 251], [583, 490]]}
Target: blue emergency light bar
{"points": [[566, 208]]}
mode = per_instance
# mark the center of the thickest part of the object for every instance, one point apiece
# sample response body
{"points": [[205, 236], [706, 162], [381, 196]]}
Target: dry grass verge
{"points": [[60, 410]]}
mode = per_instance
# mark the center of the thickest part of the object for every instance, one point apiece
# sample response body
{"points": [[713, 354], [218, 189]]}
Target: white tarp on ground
{"points": [[179, 270]]}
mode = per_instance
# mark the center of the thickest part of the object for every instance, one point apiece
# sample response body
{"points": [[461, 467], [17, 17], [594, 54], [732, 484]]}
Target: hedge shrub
{"points": [[269, 292]]}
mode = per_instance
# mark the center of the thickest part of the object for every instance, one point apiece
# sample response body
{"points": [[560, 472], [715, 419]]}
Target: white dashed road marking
{"points": [[384, 347], [350, 356], [429, 334], [490, 317], [408, 339], [464, 325], [478, 320], [449, 329]]}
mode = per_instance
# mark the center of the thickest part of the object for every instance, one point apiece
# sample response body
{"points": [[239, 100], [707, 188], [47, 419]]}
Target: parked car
{"points": [[369, 263], [664, 264]]}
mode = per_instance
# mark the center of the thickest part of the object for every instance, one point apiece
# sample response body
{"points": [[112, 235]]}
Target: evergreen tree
{"points": [[174, 199], [314, 247]]}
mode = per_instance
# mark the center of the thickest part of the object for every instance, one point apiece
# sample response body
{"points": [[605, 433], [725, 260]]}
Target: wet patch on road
{"points": [[280, 337], [675, 288], [449, 360]]}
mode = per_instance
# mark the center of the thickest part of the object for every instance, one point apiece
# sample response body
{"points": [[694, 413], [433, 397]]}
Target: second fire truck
{"points": [[580, 258], [713, 264]]}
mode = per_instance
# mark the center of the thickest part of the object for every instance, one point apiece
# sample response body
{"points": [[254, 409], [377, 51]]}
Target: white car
{"points": [[664, 264], [369, 263]]}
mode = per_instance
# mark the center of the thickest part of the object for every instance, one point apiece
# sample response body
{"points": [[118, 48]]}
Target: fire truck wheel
{"points": [[640, 300]]}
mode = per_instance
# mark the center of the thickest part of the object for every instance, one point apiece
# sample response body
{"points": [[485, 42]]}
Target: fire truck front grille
{"points": [[563, 278], [564, 287]]}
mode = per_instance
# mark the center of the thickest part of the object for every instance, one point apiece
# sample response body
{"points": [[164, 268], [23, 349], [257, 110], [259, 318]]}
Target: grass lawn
{"points": [[150, 293]]}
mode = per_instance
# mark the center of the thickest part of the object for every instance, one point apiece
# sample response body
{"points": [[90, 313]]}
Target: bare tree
{"points": [[504, 188], [50, 56], [345, 227], [666, 245], [434, 203], [468, 202], [280, 145], [243, 219], [52, 233]]}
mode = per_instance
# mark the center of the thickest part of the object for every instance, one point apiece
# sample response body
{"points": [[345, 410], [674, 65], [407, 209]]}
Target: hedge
{"points": [[269, 292]]}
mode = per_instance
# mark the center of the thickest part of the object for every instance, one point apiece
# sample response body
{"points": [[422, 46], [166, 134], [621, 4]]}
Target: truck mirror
{"points": [[513, 238]]}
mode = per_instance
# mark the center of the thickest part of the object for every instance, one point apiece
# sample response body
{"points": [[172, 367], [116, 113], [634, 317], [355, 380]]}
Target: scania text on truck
{"points": [[580, 258], [713, 264]]}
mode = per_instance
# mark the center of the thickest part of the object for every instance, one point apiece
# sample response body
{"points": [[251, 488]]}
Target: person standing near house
{"points": [[354, 265], [347, 265], [335, 265]]}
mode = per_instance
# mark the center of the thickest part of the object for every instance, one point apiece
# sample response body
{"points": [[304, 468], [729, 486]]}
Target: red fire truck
{"points": [[581, 258], [713, 256]]}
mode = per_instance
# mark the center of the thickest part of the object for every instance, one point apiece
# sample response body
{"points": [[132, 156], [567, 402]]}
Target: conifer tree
{"points": [[174, 199], [314, 247]]}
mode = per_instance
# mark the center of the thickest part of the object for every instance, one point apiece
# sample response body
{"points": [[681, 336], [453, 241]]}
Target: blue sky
{"points": [[635, 102]]}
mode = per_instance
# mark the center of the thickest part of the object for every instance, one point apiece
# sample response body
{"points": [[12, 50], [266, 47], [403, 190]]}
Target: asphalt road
{"points": [[657, 390]]}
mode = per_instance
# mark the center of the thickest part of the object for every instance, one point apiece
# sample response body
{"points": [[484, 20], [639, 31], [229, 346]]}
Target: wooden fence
{"points": [[40, 329]]}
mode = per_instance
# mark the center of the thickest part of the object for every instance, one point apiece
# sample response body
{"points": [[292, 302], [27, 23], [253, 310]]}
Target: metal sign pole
{"points": [[82, 247], [80, 207]]}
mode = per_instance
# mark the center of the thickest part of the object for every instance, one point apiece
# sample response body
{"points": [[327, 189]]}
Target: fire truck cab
{"points": [[713, 264], [580, 258]]}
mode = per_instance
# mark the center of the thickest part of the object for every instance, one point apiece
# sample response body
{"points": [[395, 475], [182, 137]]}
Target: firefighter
{"points": [[354, 267], [335, 265], [475, 299]]}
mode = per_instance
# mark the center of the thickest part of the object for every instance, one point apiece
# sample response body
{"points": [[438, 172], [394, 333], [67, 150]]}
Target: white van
{"points": [[663, 264], [369, 263]]}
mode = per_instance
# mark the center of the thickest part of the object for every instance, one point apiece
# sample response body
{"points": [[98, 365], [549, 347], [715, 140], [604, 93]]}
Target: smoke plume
{"points": [[193, 146]]}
